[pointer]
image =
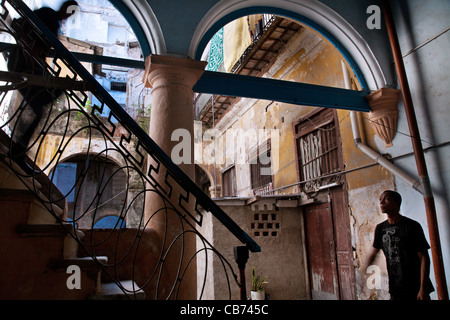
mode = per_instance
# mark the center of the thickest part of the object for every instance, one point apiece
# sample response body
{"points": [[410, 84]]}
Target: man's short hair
{"points": [[395, 195], [70, 3], [67, 4]]}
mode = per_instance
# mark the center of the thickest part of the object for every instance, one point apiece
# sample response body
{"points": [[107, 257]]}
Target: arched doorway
{"points": [[94, 188]]}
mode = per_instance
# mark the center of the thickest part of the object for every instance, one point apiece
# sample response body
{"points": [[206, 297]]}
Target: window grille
{"points": [[260, 170], [317, 151], [118, 86]]}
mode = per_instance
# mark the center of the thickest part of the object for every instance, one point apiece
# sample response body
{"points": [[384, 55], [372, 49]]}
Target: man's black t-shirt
{"points": [[400, 243]]}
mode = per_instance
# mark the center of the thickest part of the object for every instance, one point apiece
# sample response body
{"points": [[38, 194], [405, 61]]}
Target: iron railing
{"points": [[112, 162]]}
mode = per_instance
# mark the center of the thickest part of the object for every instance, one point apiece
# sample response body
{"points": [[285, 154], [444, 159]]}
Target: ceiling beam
{"points": [[236, 85]]}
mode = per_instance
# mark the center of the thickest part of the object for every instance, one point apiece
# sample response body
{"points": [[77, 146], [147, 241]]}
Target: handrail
{"points": [[147, 143]]}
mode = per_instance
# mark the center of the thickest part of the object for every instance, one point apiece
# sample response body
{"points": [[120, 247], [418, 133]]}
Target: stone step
{"points": [[90, 265], [111, 291], [46, 230], [41, 188], [85, 263], [71, 235], [32, 210]]}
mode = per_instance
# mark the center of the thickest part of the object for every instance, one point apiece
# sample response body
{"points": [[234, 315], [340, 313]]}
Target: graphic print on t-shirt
{"points": [[391, 248]]}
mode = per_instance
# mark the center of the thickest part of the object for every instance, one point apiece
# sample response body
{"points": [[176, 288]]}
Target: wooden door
{"points": [[321, 252]]}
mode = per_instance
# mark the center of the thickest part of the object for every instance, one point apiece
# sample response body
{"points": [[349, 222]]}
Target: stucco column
{"points": [[172, 80]]}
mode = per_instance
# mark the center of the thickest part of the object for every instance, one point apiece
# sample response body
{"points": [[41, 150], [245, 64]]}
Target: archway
{"points": [[317, 15], [312, 13], [94, 188]]}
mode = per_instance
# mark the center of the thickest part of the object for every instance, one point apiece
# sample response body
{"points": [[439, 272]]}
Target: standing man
{"points": [[406, 250]]}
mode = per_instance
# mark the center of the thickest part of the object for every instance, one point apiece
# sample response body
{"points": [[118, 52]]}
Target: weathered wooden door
{"points": [[321, 252], [342, 236], [319, 153]]}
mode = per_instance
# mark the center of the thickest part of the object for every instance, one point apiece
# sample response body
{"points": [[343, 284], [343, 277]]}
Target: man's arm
{"points": [[424, 274], [370, 258]]}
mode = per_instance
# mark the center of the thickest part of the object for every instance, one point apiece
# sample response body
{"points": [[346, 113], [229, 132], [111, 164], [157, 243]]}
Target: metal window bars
{"points": [[317, 152], [74, 129]]}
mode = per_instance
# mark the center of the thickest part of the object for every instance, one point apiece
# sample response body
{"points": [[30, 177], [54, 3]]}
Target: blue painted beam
{"points": [[260, 88], [234, 85], [113, 61]]}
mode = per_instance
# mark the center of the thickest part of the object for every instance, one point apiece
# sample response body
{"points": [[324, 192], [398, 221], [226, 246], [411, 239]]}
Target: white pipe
{"points": [[414, 183]]}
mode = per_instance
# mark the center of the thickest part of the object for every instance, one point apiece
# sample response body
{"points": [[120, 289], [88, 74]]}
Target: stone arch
{"points": [[92, 154], [101, 192], [316, 15]]}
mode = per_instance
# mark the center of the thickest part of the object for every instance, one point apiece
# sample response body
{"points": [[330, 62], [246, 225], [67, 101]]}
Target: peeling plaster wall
{"points": [[364, 216], [422, 29], [365, 184]]}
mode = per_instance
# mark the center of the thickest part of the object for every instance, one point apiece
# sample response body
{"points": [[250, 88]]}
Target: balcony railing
{"points": [[114, 163]]}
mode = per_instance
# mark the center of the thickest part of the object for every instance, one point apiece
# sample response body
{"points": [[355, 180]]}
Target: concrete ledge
{"points": [[44, 230]]}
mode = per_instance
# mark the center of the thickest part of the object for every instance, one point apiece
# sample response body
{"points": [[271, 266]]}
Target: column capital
{"points": [[172, 71]]}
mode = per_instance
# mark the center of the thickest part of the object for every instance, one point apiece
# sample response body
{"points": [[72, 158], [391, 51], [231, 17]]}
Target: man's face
{"points": [[388, 204]]}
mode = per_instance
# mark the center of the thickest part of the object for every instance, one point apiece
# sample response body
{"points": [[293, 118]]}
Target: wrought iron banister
{"points": [[118, 133]]}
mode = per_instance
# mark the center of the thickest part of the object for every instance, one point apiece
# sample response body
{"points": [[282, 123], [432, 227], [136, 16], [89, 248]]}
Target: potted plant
{"points": [[258, 292]]}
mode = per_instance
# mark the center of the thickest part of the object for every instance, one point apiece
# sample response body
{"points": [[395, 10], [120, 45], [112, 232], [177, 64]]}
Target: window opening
{"points": [[229, 188], [119, 86], [317, 151], [260, 169]]}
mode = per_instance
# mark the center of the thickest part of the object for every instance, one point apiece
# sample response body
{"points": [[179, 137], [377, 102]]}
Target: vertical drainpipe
{"points": [[441, 284]]}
